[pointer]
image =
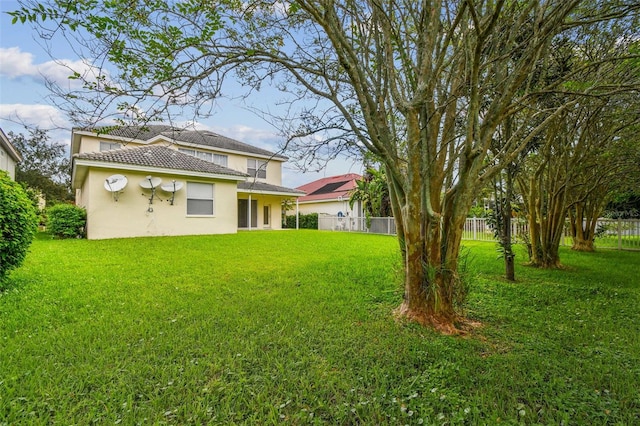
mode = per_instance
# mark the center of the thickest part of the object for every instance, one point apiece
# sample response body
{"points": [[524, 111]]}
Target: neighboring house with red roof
{"points": [[9, 156], [160, 180], [330, 196]]}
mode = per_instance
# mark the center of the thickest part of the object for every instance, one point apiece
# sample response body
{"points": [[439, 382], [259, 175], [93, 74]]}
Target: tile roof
{"points": [[143, 133], [329, 188], [266, 187], [197, 137], [160, 157]]}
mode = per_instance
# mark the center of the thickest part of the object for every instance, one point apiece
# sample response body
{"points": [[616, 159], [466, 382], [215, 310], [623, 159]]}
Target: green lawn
{"points": [[296, 328]]}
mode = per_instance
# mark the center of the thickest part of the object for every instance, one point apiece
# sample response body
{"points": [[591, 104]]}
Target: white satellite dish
{"points": [[150, 182], [115, 183], [172, 186]]}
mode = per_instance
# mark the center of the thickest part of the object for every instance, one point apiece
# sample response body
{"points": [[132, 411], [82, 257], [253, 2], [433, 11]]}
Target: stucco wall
{"points": [[92, 143], [130, 215], [7, 163], [327, 207]]}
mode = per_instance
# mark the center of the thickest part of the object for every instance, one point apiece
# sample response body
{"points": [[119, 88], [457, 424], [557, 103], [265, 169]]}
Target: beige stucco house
{"points": [[160, 180], [9, 156], [330, 196]]}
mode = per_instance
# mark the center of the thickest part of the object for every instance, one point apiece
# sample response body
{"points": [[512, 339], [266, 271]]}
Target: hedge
{"points": [[18, 224], [66, 221], [307, 221]]}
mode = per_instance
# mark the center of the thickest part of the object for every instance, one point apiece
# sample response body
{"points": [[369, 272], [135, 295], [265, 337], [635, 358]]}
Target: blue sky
{"points": [[24, 64]]}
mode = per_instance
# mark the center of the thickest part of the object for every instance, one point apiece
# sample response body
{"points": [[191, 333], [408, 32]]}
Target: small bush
{"points": [[307, 221], [479, 211], [18, 224], [66, 221]]}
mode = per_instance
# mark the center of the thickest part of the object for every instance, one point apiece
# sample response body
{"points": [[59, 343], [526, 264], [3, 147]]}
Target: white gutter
{"points": [[149, 170]]}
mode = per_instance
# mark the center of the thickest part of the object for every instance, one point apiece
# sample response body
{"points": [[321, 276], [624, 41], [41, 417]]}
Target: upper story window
{"points": [[221, 160], [257, 168], [109, 146]]}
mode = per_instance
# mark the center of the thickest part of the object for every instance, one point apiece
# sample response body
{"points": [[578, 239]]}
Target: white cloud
{"points": [[14, 63], [35, 115], [19, 118]]}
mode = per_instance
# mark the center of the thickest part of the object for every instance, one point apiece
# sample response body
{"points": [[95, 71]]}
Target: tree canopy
{"points": [[45, 165]]}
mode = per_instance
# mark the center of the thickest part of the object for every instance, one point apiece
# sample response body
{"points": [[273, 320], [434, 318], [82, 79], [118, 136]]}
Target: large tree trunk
{"points": [[545, 195], [583, 218], [431, 282], [429, 234]]}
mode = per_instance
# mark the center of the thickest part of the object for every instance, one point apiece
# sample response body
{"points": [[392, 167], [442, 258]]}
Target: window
{"points": [[266, 214], [257, 168], [206, 156], [109, 146], [199, 199], [221, 160]]}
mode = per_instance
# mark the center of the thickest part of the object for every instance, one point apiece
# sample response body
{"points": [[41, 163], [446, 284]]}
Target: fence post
{"points": [[475, 228], [619, 233]]}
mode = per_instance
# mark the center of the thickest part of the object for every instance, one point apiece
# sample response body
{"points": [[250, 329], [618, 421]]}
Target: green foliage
{"points": [[18, 224], [479, 211], [306, 221], [373, 191], [66, 221], [624, 206], [294, 334], [45, 166], [35, 196]]}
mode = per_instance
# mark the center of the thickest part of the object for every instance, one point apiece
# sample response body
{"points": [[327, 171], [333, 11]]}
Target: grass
{"points": [[296, 328]]}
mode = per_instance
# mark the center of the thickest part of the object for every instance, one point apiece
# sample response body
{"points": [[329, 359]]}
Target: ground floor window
{"points": [[266, 215], [200, 199]]}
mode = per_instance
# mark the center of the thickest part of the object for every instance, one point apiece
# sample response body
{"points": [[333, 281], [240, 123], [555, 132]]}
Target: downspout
{"points": [[297, 213]]}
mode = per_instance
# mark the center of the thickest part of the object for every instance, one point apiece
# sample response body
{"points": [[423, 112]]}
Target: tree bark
{"points": [[509, 255], [583, 217]]}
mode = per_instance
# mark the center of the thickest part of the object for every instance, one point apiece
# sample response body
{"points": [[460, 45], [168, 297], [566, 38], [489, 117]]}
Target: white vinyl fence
{"points": [[611, 233]]}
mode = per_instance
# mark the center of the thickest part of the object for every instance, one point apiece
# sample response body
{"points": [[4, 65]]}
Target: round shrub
{"points": [[66, 221], [18, 224]]}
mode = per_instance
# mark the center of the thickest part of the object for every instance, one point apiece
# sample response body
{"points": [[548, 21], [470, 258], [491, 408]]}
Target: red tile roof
{"points": [[329, 188]]}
